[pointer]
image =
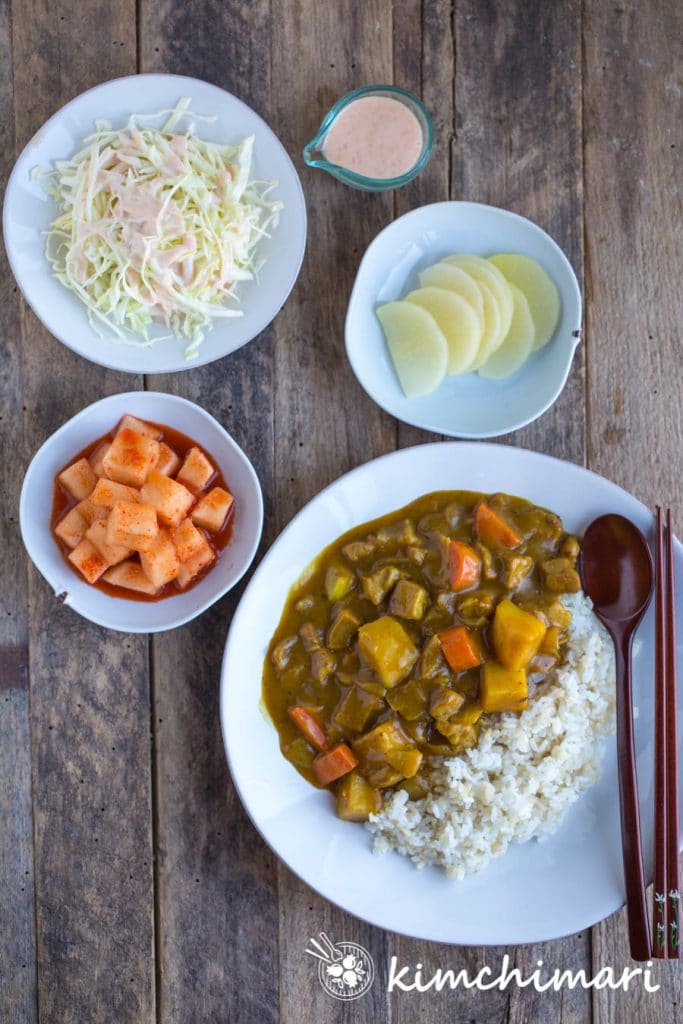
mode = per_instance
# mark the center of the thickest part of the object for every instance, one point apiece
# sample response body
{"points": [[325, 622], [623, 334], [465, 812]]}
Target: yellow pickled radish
{"points": [[492, 336], [458, 322], [517, 345], [487, 273], [540, 291], [417, 346], [455, 279]]}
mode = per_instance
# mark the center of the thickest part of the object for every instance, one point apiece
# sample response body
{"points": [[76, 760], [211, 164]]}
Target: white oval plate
{"points": [[466, 406], [89, 424], [28, 212], [538, 890]]}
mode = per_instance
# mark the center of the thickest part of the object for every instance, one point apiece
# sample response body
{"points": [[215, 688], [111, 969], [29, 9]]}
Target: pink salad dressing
{"points": [[375, 136]]}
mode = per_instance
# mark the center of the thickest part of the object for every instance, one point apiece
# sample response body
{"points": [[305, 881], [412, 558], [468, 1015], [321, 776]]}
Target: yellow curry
{"points": [[408, 632]]}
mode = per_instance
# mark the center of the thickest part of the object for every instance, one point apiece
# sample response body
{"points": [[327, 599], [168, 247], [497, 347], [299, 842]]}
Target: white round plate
{"points": [[537, 890], [28, 212], [465, 406], [89, 424]]}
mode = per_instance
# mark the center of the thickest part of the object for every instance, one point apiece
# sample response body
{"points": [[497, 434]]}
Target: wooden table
{"points": [[132, 886]]}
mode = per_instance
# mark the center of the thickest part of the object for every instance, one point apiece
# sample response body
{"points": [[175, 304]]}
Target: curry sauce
{"points": [[407, 632]]}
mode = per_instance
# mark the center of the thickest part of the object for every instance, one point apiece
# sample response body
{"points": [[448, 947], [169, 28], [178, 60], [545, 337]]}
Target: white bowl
{"points": [[28, 212], [89, 424], [537, 891], [466, 406]]}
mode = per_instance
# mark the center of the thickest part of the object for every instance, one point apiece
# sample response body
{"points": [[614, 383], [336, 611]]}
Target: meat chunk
{"points": [[515, 569], [408, 600], [560, 576]]}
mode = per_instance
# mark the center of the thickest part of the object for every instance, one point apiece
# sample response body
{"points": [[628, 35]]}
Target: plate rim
{"points": [[112, 364], [478, 939], [574, 340]]}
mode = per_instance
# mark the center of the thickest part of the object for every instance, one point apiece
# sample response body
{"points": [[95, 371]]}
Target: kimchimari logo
{"points": [[345, 969]]}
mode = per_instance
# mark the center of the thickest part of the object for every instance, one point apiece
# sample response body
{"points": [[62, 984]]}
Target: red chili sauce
{"points": [[63, 502]]}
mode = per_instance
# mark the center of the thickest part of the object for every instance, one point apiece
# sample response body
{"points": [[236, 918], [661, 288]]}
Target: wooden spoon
{"points": [[616, 572]]}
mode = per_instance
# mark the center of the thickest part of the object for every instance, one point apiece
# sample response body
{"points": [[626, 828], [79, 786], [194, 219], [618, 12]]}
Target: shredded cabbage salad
{"points": [[157, 226]]}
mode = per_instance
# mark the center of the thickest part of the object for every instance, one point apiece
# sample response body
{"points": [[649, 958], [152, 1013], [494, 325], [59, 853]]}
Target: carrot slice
{"points": [[309, 726], [332, 765], [460, 648], [493, 529], [464, 565]]}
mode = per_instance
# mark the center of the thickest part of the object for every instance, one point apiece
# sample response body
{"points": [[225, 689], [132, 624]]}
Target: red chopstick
{"points": [[659, 897], [672, 831], [666, 899]]}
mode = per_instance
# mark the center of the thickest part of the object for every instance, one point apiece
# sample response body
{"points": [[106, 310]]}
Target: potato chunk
{"points": [[160, 562], [212, 510], [502, 689], [88, 561], [131, 457], [131, 576], [194, 565], [387, 649], [188, 540], [196, 470], [132, 524], [107, 493], [171, 500], [338, 582], [356, 798], [71, 528], [386, 754], [111, 553], [516, 635], [78, 479], [168, 460]]}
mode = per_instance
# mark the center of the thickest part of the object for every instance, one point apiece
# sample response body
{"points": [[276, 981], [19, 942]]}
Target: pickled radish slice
{"points": [[486, 273], [540, 291], [458, 322], [455, 279], [493, 336], [416, 345], [518, 342]]}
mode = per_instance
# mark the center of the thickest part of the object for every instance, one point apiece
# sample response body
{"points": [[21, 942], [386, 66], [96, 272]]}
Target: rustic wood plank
{"points": [[424, 62], [89, 688], [217, 881], [518, 145], [502, 55], [18, 1002], [632, 84], [324, 422]]}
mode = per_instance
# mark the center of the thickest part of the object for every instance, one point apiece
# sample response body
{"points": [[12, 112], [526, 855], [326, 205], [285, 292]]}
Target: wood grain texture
{"points": [[89, 687], [633, 85], [518, 145], [324, 422], [18, 1003], [564, 114], [217, 881], [424, 62]]}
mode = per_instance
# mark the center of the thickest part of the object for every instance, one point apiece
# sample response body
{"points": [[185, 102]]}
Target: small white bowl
{"points": [[28, 212], [116, 612], [466, 406]]}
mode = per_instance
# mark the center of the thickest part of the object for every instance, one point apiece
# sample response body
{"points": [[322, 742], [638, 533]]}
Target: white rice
{"points": [[525, 772]]}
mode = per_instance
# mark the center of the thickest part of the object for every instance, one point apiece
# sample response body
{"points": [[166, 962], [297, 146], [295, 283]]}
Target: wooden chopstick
{"points": [[666, 899], [659, 896], [672, 832]]}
